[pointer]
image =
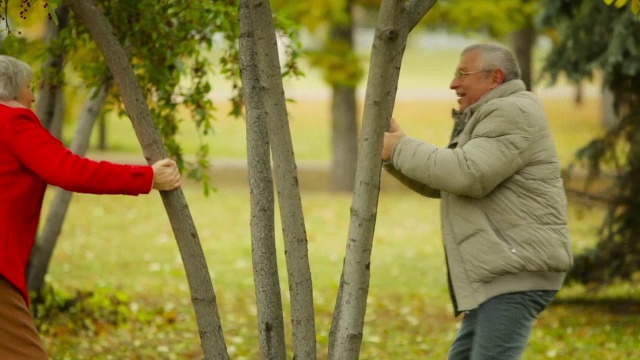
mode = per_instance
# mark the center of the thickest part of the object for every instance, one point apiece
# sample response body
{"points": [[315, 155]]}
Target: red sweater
{"points": [[31, 158]]}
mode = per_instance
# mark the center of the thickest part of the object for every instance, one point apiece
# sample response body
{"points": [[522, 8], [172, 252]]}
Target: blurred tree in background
{"points": [[594, 38]]}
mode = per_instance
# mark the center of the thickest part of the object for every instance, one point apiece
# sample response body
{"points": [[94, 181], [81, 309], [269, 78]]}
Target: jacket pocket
{"points": [[496, 230]]}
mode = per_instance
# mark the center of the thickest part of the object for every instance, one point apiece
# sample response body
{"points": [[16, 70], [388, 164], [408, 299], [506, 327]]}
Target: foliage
{"points": [[84, 313], [170, 44], [596, 37], [634, 5], [337, 58], [494, 18], [169, 50], [16, 23], [340, 64]]}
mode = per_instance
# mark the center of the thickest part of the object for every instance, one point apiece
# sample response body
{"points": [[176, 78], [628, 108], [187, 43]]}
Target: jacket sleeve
{"points": [[493, 154], [414, 185], [46, 156]]}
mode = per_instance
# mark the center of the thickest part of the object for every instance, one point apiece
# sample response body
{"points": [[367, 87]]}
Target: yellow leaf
{"points": [[620, 3], [635, 6], [608, 2]]}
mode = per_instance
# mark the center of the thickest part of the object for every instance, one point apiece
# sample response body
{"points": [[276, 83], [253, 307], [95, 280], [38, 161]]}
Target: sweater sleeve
{"points": [[493, 154], [47, 157]]}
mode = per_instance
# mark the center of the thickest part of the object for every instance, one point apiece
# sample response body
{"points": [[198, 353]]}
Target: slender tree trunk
{"points": [[579, 94], [293, 227], [523, 41], [263, 246], [102, 133], [395, 20], [202, 293], [50, 102], [344, 138], [344, 116], [609, 118], [41, 256]]}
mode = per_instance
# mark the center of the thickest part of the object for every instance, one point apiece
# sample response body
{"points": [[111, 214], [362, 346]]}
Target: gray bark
{"points": [[344, 138], [202, 293], [293, 227], [344, 117], [523, 41], [608, 112], [41, 256], [395, 20], [578, 98], [263, 246], [50, 102], [102, 133]]}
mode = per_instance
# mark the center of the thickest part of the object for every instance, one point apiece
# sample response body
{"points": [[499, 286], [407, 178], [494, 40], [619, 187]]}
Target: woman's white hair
{"points": [[496, 56], [14, 74]]}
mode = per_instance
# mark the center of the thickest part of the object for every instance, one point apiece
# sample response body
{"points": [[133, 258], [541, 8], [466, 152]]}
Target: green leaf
{"points": [[620, 3]]}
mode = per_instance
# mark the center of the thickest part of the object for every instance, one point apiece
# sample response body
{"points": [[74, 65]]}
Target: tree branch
{"points": [[415, 10]]}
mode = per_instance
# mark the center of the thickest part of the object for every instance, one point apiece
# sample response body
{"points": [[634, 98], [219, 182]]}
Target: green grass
{"points": [[125, 243]]}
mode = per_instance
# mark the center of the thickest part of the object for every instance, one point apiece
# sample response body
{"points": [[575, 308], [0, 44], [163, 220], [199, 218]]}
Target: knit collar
{"points": [[504, 90], [460, 118]]}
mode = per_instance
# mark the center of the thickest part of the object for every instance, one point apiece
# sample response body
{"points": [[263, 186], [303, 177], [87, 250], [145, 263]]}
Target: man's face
{"points": [[472, 81]]}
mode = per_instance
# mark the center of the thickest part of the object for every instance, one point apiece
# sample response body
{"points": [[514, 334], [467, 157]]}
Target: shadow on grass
{"points": [[628, 306]]}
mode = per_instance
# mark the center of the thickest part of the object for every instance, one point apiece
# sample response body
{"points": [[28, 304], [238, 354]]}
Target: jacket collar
{"points": [[461, 118], [504, 90]]}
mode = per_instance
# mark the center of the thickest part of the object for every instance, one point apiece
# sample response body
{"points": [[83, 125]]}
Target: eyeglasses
{"points": [[459, 74]]}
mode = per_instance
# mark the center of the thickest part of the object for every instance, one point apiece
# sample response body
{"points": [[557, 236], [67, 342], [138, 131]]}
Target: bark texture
{"points": [[395, 20], [523, 41], [263, 246], [197, 271], [286, 174]]}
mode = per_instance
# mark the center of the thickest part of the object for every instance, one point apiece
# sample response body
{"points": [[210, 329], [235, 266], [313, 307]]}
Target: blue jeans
{"points": [[500, 327]]}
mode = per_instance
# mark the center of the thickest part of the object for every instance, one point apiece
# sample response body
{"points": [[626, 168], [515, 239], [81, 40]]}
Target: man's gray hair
{"points": [[14, 74], [496, 56]]}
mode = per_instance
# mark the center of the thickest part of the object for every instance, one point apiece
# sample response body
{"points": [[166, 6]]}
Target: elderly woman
{"points": [[31, 158]]}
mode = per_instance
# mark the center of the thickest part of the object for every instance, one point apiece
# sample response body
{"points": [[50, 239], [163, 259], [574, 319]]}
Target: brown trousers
{"points": [[19, 339]]}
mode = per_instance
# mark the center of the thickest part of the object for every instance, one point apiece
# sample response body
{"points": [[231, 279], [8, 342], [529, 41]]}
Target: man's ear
{"points": [[498, 77]]}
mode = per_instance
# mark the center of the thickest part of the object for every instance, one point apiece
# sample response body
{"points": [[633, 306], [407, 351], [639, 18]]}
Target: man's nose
{"points": [[454, 84]]}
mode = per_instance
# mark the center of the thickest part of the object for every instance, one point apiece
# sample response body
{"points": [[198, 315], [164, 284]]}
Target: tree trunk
{"points": [[41, 256], [609, 118], [344, 116], [293, 227], [197, 271], [523, 41], [102, 133], [578, 97], [395, 20], [263, 246], [344, 138], [50, 103]]}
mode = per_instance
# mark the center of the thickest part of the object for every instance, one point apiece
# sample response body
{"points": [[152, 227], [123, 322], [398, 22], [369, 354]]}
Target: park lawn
{"points": [[123, 245]]}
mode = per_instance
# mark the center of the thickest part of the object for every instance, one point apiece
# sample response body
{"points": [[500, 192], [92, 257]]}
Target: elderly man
{"points": [[503, 206]]}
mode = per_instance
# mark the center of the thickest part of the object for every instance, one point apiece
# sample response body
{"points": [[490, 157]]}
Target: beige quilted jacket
{"points": [[503, 205]]}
